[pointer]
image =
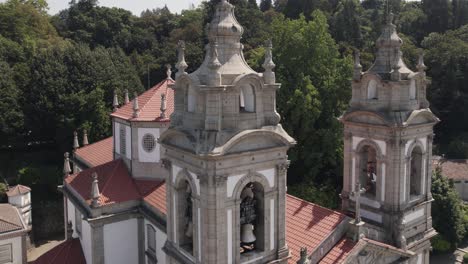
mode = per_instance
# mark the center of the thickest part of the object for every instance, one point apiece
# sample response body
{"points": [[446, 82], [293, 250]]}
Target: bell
{"points": [[247, 235], [189, 229]]}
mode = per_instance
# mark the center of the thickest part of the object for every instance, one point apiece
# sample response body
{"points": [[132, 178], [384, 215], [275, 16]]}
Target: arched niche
{"points": [[368, 167], [185, 190], [260, 189], [372, 92], [247, 98], [416, 170], [191, 98]]}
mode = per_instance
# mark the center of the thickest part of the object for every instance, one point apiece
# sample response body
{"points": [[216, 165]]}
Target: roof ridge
{"points": [[154, 88], [119, 161]]}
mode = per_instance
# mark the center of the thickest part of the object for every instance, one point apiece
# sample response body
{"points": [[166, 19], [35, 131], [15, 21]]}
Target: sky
{"points": [[136, 6]]}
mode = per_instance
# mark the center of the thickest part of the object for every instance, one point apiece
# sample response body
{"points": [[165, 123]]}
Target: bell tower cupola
{"points": [[226, 156], [388, 133]]}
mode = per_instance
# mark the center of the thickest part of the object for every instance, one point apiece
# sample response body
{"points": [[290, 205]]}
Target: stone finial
{"points": [[304, 258], [421, 66], [127, 99], [136, 108], [168, 71], [357, 195], [85, 137], [66, 165], [269, 65], [69, 230], [115, 104], [95, 194], [395, 74], [181, 64], [76, 145], [214, 63], [163, 106], [357, 66], [390, 17]]}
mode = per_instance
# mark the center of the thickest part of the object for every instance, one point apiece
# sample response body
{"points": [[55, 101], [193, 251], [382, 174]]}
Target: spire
{"points": [[163, 106], [181, 64], [224, 26], [389, 58], [357, 66], [136, 108], [66, 165], [126, 97], [116, 101], [168, 71], [95, 194], [85, 137], [269, 65], [421, 66], [76, 145]]}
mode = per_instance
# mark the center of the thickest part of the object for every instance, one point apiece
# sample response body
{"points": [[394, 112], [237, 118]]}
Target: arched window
{"points": [[372, 90], [412, 91], [252, 219], [185, 217], [151, 244], [416, 172], [368, 170], [191, 98], [247, 98]]}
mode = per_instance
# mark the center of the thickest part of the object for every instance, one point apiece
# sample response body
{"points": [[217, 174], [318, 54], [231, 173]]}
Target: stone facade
{"points": [[225, 135], [388, 146]]}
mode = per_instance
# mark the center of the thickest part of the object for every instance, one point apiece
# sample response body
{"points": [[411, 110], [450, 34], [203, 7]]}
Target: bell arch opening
{"points": [[252, 219], [247, 98], [372, 90], [184, 216], [191, 96], [412, 90], [416, 168], [368, 170]]}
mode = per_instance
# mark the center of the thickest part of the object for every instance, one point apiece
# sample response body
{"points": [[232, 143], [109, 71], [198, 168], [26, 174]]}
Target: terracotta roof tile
{"points": [[10, 219], [112, 177], [453, 169], [339, 252], [97, 153], [69, 252], [18, 190], [307, 225], [149, 103], [153, 193]]}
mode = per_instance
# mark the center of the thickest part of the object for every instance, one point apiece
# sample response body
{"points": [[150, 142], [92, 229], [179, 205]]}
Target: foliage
{"points": [[440, 245], [447, 209], [3, 190], [324, 195], [465, 258], [310, 70]]}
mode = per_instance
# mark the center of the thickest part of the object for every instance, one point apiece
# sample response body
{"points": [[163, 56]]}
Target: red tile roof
{"points": [[97, 153], [307, 225], [153, 193], [18, 190], [339, 252], [69, 252], [150, 103], [112, 177], [10, 219], [453, 169]]}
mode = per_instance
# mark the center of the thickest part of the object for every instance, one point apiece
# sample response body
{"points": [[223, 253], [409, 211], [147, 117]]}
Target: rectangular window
{"points": [[78, 222], [123, 141], [6, 254]]}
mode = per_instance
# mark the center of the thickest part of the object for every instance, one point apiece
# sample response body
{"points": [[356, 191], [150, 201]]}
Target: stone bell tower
{"points": [[226, 154], [388, 132]]}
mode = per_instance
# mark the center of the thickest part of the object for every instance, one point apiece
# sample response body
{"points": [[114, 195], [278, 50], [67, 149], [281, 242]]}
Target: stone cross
{"points": [[357, 195]]}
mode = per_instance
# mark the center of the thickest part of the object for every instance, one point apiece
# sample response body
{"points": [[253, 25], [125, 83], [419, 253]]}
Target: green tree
{"points": [[347, 24], [439, 14], [315, 91], [266, 5], [447, 209]]}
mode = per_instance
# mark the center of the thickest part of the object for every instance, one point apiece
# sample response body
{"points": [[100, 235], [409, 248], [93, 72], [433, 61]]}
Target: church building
{"points": [[196, 169]]}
